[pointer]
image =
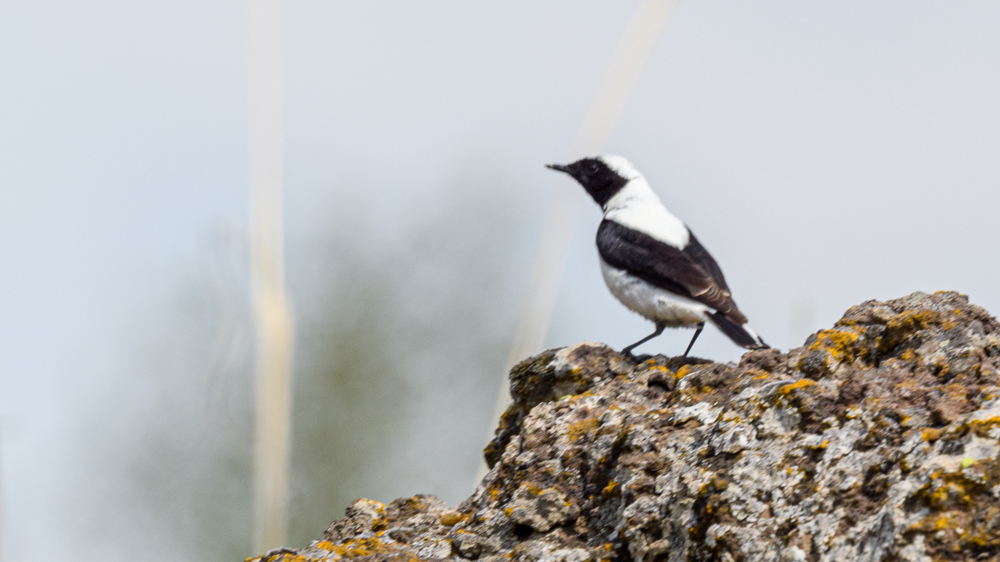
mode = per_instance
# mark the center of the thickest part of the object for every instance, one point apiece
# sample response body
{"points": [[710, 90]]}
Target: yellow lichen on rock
{"points": [[790, 388], [840, 343], [582, 428], [888, 449], [359, 548]]}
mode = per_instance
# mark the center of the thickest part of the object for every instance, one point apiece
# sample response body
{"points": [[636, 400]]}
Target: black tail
{"points": [[741, 335]]}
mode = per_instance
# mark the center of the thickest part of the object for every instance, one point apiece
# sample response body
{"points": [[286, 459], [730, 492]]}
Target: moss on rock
{"points": [[879, 439]]}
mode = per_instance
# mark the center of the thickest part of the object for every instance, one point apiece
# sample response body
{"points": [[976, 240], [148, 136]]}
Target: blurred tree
{"points": [[401, 338], [400, 351]]}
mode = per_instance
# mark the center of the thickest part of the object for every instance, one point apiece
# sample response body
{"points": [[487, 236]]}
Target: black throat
{"points": [[600, 181]]}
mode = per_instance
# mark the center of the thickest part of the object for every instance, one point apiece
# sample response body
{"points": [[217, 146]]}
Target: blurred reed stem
{"points": [[272, 313], [3, 509]]}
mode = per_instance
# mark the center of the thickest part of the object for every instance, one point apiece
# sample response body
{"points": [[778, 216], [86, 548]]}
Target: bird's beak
{"points": [[558, 167]]}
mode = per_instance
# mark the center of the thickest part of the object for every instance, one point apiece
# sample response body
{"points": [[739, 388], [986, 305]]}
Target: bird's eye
{"points": [[592, 168]]}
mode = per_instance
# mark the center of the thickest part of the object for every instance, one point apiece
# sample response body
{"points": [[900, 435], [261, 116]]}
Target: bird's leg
{"points": [[659, 330], [696, 334]]}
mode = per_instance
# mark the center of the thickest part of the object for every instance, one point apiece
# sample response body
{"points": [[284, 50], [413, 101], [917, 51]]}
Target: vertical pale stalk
{"points": [[604, 112], [3, 512], [272, 314]]}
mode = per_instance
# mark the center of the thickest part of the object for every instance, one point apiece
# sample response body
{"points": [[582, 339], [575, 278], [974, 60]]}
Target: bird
{"points": [[651, 261]]}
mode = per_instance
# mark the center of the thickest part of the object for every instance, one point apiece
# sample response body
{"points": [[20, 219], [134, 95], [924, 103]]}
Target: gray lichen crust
{"points": [[877, 440]]}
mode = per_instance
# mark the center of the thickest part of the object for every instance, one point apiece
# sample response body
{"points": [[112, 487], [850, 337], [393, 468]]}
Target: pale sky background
{"points": [[824, 153]]}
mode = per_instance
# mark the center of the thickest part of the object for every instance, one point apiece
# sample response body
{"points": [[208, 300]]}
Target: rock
{"points": [[877, 440]]}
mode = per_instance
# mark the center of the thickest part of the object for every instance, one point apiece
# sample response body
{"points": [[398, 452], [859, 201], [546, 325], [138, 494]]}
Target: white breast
{"points": [[653, 302], [638, 207]]}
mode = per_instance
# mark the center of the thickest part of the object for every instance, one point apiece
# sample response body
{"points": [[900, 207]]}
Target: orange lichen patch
{"points": [[325, 545], [360, 547], [535, 490], [909, 387], [611, 489], [950, 530], [286, 556], [451, 518], [982, 536], [947, 492], [852, 413], [931, 434], [790, 388], [757, 374], [604, 552], [950, 493], [817, 447], [913, 320], [908, 355], [956, 392], [582, 428], [960, 530], [941, 369], [933, 523], [840, 344], [578, 397], [684, 371], [984, 423]]}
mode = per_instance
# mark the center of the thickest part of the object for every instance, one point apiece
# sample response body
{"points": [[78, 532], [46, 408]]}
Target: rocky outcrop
{"points": [[877, 440]]}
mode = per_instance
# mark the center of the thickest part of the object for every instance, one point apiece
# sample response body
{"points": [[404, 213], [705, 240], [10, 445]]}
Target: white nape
{"points": [[636, 206], [621, 166]]}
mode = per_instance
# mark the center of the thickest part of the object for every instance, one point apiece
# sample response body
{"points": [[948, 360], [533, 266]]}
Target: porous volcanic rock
{"points": [[877, 440]]}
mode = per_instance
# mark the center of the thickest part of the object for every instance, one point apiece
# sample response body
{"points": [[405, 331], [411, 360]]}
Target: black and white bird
{"points": [[651, 261]]}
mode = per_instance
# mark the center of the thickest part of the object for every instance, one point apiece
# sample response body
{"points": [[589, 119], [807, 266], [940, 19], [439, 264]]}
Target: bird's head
{"points": [[601, 176]]}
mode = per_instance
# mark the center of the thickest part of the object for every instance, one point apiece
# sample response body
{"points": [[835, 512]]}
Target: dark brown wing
{"points": [[691, 272]]}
